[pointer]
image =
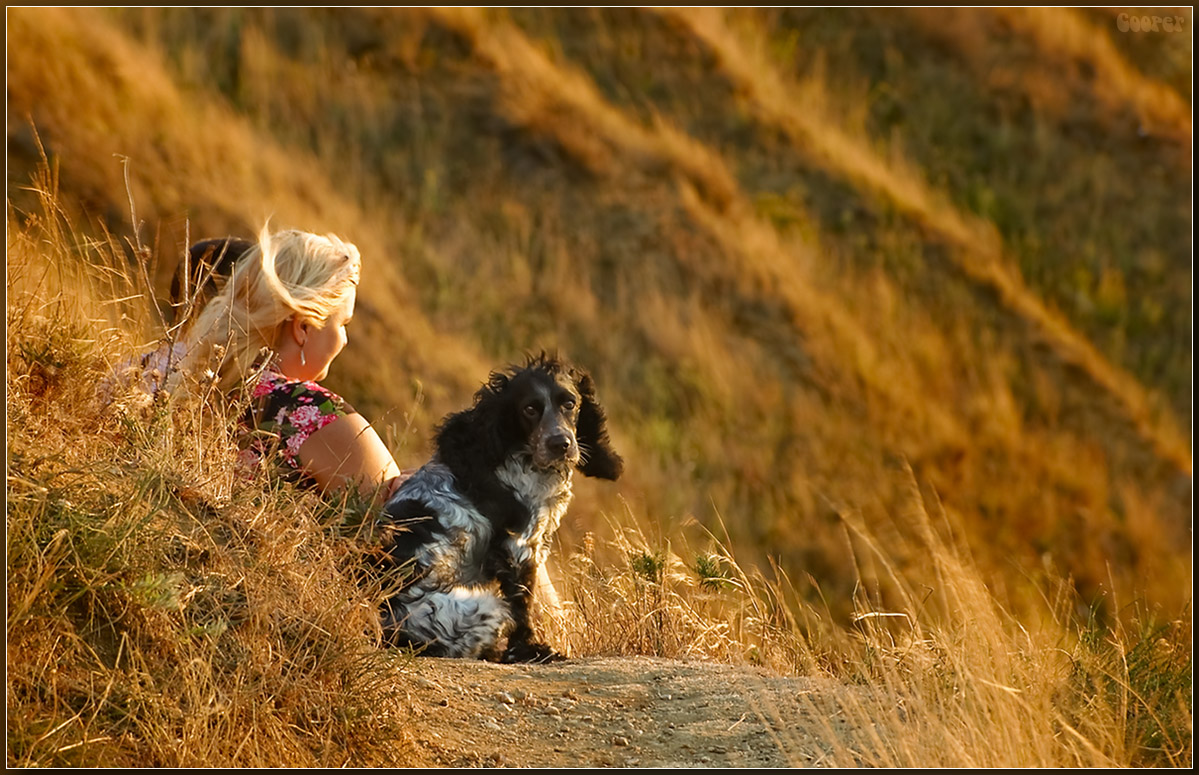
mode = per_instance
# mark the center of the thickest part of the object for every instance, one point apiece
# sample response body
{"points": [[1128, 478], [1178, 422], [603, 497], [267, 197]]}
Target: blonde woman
{"points": [[275, 328]]}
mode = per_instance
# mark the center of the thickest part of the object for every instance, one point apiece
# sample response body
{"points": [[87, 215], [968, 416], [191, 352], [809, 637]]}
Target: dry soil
{"points": [[616, 712]]}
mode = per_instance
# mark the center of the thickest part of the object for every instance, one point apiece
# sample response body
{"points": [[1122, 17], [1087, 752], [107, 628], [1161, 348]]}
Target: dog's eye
{"points": [[532, 410], [569, 404]]}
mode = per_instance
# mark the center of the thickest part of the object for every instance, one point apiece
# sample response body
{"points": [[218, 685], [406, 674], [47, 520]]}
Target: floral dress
{"points": [[283, 413]]}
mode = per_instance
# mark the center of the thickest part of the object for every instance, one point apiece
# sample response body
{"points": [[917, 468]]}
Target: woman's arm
{"points": [[349, 451]]}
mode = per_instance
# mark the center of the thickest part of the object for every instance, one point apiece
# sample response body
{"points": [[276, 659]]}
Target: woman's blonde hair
{"points": [[287, 274]]}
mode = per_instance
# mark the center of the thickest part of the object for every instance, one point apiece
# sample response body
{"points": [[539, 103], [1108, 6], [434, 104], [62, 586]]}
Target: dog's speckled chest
{"points": [[547, 495]]}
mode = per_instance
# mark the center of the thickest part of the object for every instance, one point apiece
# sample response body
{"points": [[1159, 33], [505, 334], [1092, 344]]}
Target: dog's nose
{"points": [[559, 444]]}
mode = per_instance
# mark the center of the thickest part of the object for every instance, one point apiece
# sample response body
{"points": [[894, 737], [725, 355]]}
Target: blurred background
{"points": [[818, 261]]}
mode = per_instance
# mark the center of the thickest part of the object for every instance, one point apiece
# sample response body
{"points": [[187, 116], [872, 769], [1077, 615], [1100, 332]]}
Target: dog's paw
{"points": [[531, 652]]}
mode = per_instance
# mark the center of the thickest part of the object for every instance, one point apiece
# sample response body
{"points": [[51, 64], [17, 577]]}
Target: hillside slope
{"points": [[802, 251], [890, 310]]}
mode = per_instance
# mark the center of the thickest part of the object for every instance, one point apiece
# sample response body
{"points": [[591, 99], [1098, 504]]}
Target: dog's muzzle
{"points": [[557, 449]]}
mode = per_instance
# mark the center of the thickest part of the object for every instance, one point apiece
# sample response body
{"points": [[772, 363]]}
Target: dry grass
{"points": [[552, 99], [163, 610], [173, 135], [941, 675], [784, 308]]}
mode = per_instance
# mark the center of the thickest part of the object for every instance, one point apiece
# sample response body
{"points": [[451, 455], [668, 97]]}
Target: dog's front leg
{"points": [[517, 577]]}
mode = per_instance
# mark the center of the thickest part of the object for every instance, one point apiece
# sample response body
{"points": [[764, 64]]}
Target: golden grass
{"points": [[751, 366], [734, 348], [939, 675], [1067, 42], [163, 610], [555, 100]]}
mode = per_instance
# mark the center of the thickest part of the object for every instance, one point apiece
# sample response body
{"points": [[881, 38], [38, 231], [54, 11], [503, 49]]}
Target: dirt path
{"points": [[614, 712]]}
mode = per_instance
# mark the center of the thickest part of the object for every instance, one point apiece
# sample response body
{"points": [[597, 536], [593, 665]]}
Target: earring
{"points": [[303, 360]]}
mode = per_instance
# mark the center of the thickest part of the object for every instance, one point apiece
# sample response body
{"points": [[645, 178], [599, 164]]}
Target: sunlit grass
{"points": [[163, 609], [776, 293]]}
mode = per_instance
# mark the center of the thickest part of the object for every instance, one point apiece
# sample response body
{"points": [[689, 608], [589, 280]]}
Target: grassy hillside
{"points": [[166, 609], [814, 258]]}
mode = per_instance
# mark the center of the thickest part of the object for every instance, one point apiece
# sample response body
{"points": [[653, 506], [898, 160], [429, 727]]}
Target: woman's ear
{"points": [[298, 329]]}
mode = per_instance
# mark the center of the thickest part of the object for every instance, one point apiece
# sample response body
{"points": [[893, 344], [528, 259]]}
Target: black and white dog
{"points": [[473, 525]]}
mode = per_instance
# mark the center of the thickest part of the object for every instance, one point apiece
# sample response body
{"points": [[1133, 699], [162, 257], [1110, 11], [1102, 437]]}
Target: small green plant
{"points": [[713, 572], [648, 566]]}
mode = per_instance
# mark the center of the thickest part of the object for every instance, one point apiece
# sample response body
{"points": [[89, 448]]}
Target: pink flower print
{"points": [[294, 442], [264, 387], [248, 462], [305, 418]]}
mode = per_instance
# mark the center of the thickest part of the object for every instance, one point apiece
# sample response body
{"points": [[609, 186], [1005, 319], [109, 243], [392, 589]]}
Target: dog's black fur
{"points": [[474, 524]]}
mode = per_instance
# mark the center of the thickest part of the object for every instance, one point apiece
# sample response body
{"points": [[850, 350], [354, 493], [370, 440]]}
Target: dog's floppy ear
{"points": [[475, 440], [598, 459]]}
